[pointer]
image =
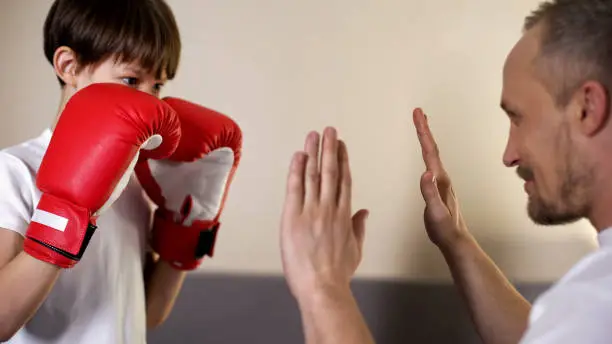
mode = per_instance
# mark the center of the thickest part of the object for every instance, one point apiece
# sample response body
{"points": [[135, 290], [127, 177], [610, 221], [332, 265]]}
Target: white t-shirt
{"points": [[101, 299], [578, 308]]}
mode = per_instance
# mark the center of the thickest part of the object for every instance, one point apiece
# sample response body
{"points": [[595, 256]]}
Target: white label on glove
{"points": [[48, 219]]}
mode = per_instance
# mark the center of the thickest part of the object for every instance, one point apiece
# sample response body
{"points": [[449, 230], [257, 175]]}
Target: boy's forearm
{"points": [[163, 284], [333, 316], [25, 282], [498, 310]]}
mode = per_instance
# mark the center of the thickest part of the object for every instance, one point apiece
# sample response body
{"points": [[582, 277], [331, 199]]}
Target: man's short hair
{"points": [[576, 44], [128, 30]]}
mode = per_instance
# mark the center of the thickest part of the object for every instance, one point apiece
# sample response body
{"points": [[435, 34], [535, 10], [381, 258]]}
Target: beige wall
{"points": [[281, 68]]}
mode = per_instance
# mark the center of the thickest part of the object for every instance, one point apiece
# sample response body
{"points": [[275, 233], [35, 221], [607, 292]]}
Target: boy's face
{"points": [[110, 70], [130, 74]]}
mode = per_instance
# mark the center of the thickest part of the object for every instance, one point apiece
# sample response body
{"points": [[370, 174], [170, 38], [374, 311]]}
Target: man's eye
{"points": [[130, 81]]}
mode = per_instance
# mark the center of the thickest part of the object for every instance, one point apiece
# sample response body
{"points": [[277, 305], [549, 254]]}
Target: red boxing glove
{"points": [[190, 187], [91, 155]]}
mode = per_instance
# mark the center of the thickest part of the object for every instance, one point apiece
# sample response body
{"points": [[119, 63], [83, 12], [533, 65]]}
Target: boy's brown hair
{"points": [[128, 30]]}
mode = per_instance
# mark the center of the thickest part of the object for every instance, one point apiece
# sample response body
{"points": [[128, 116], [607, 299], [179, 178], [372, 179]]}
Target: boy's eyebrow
{"points": [[140, 71], [134, 69]]}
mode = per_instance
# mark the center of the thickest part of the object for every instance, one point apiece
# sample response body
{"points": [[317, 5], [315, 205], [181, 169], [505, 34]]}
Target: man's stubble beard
{"points": [[572, 202]]}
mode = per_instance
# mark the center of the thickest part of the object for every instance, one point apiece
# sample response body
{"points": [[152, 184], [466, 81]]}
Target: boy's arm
{"points": [[162, 285], [25, 282]]}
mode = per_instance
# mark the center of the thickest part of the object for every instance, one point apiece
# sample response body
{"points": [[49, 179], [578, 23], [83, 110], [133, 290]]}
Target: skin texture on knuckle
{"points": [[313, 176], [294, 185], [323, 221], [330, 170], [347, 178], [436, 218]]}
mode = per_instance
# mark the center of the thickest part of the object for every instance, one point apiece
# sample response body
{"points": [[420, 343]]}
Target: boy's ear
{"points": [[65, 65]]}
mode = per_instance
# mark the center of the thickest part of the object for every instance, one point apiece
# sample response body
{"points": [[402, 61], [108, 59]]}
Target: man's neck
{"points": [[601, 210]]}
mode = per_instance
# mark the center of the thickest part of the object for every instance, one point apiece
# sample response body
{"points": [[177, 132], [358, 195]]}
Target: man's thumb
{"points": [[359, 225], [429, 189]]}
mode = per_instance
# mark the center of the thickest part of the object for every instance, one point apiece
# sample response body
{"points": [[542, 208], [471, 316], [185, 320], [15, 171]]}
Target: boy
{"points": [[117, 289]]}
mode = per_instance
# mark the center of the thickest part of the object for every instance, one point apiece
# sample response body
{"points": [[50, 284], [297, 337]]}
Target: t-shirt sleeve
{"points": [[16, 194], [575, 311]]}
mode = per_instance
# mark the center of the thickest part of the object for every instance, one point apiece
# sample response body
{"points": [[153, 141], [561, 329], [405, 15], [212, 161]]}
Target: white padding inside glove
{"points": [[204, 180], [151, 143]]}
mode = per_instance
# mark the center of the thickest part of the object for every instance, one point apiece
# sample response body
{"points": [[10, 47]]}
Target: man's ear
{"points": [[594, 106], [65, 65]]}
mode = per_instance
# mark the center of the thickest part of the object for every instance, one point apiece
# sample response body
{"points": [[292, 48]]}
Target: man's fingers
{"points": [[345, 192], [312, 177], [294, 197], [329, 167], [429, 147], [359, 226]]}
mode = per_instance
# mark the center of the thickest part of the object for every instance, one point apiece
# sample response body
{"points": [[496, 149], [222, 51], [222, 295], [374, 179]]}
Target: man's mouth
{"points": [[525, 174]]}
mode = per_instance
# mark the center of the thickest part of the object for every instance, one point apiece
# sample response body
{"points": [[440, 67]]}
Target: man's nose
{"points": [[511, 156]]}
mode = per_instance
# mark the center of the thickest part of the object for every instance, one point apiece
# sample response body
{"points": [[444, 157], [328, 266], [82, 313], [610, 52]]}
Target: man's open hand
{"points": [[443, 219], [321, 241]]}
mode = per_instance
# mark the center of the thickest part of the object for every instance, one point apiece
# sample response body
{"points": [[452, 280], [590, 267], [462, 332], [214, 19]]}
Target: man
{"points": [[556, 93], [81, 260]]}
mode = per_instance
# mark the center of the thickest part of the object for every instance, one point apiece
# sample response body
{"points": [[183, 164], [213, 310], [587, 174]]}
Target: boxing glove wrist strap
{"points": [[59, 232], [183, 247]]}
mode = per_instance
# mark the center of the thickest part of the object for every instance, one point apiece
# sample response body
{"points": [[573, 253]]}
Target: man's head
{"points": [[556, 88], [135, 42]]}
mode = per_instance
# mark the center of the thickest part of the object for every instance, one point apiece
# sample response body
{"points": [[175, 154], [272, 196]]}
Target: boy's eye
{"points": [[130, 81], [158, 87]]}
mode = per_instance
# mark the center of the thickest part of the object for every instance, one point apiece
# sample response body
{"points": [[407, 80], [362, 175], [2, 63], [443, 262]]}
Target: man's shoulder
{"points": [[576, 304], [595, 268], [592, 272]]}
